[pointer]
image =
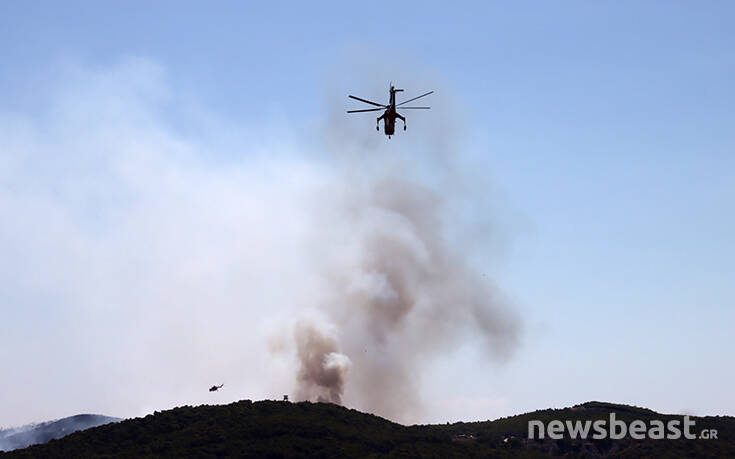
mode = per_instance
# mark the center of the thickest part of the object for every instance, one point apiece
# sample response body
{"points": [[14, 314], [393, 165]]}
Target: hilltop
{"points": [[283, 429]]}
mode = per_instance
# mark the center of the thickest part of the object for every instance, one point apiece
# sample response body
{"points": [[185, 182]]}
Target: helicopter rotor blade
{"points": [[411, 100], [415, 108], [367, 101], [366, 110]]}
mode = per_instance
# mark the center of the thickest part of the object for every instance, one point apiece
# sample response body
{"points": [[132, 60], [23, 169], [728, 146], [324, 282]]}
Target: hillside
{"points": [[282, 429], [21, 437]]}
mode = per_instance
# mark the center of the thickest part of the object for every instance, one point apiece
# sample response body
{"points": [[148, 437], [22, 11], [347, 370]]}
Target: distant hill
{"points": [[283, 429], [21, 437]]}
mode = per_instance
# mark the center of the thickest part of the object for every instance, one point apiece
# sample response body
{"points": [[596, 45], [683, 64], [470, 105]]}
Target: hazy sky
{"points": [[160, 156]]}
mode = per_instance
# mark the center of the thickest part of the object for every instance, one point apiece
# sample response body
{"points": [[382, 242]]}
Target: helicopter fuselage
{"points": [[389, 123]]}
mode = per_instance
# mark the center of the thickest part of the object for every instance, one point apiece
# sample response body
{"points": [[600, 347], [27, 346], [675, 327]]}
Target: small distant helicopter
{"points": [[216, 388], [389, 115]]}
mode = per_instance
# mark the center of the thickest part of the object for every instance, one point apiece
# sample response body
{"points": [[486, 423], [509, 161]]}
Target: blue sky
{"points": [[601, 132]]}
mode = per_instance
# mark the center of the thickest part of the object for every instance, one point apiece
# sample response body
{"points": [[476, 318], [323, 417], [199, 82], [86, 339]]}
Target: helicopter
{"points": [[389, 115], [216, 388]]}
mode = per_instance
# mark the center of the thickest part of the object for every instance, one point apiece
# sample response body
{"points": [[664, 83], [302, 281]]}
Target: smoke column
{"points": [[323, 368]]}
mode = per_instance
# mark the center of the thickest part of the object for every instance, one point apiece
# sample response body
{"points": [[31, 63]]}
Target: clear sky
{"points": [[602, 132]]}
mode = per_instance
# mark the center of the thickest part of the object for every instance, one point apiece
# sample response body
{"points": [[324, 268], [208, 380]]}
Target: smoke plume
{"points": [[194, 240], [323, 367]]}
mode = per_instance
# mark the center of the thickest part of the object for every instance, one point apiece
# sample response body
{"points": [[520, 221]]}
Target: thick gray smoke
{"points": [[323, 368], [400, 294], [400, 289]]}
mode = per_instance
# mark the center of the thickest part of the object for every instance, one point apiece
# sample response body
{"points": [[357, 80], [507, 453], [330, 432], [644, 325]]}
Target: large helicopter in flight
{"points": [[390, 114]]}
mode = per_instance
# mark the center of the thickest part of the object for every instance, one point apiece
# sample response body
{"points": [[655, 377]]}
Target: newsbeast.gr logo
{"points": [[617, 429]]}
